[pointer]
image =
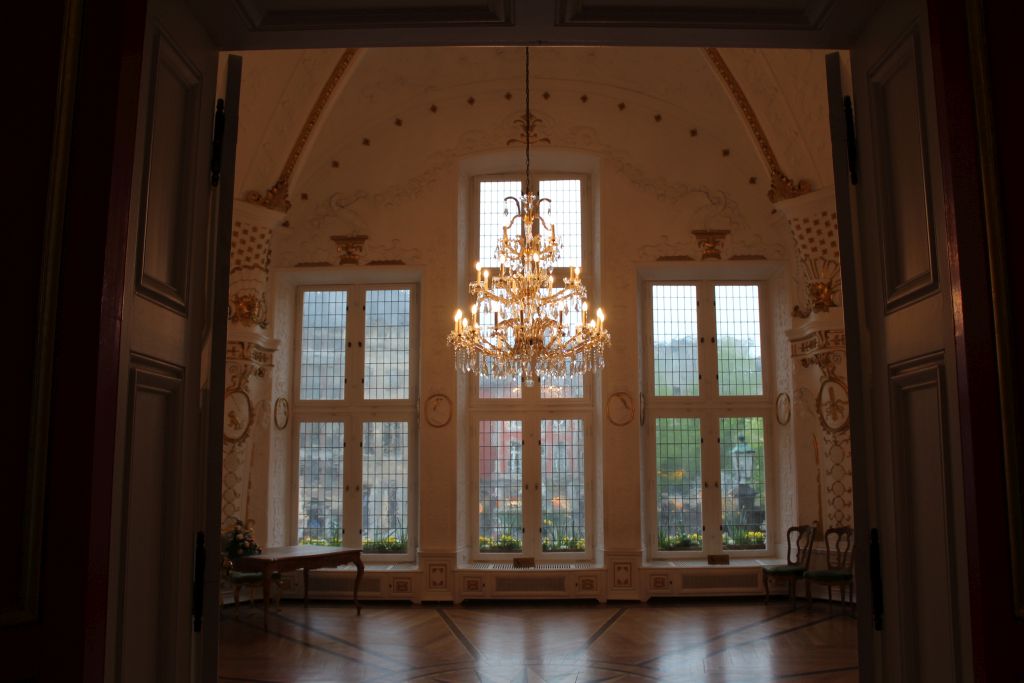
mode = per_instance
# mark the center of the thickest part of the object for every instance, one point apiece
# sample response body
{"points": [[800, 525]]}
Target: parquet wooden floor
{"points": [[702, 641]]}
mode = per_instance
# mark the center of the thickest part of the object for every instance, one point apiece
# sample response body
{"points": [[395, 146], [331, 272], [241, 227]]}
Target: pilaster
{"points": [[249, 364]]}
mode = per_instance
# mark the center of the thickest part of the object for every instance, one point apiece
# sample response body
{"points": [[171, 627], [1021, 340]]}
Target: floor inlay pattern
{"points": [[710, 641]]}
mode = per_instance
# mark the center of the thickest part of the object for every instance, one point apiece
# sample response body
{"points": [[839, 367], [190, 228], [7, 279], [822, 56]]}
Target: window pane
{"points": [[738, 328], [561, 488], [321, 481], [322, 372], [742, 452], [385, 487], [386, 360], [678, 494], [501, 485], [491, 387], [565, 387], [567, 215], [674, 316], [493, 217]]}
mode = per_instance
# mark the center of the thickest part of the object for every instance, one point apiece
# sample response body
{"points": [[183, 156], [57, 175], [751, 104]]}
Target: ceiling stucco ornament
{"points": [[713, 209], [528, 131], [783, 187], [277, 196]]}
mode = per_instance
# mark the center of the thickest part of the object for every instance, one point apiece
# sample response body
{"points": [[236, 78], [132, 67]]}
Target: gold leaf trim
{"points": [[783, 186], [277, 196]]}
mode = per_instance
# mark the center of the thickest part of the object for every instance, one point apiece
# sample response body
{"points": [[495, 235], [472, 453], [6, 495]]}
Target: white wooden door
{"points": [[908, 483], [161, 475]]}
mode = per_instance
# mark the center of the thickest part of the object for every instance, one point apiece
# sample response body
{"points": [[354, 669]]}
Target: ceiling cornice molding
{"points": [[276, 197], [783, 187]]}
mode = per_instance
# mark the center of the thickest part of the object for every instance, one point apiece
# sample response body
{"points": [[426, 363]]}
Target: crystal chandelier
{"points": [[531, 333]]}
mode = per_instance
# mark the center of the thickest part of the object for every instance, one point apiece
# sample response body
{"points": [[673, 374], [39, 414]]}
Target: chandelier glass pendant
{"points": [[519, 325]]}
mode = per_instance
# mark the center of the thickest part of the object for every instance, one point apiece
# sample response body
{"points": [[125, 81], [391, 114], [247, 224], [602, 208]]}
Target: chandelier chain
{"points": [[529, 121]]}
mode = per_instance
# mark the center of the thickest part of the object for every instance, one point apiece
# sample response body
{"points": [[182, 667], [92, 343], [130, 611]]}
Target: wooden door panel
{"points": [[151, 631], [905, 222], [922, 476], [150, 317], [168, 188]]}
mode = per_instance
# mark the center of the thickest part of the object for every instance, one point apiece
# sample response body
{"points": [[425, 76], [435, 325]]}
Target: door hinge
{"points": [[875, 561], [851, 141], [198, 570], [217, 144]]}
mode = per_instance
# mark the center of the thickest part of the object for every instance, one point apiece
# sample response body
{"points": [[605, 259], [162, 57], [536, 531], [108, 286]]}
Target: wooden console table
{"points": [[304, 557]]}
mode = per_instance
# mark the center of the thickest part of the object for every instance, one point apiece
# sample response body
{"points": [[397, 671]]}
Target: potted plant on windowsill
{"points": [[680, 541], [744, 540]]}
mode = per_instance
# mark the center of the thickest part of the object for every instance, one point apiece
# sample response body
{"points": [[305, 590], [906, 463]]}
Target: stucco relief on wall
{"points": [[247, 367], [826, 350], [815, 233]]}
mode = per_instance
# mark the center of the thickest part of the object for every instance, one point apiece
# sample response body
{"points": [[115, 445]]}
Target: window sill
{"points": [[506, 566], [703, 563], [374, 566]]}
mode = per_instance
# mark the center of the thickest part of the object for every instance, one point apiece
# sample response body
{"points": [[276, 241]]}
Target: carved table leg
{"points": [[266, 594], [355, 591]]}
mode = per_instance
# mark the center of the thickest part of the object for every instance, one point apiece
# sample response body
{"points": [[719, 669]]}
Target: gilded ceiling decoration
{"points": [[783, 187], [277, 196]]}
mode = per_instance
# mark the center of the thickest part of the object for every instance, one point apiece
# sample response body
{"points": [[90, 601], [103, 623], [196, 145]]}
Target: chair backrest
{"points": [[799, 540], [839, 547]]}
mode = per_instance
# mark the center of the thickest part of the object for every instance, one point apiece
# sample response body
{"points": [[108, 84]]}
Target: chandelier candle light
{"points": [[530, 335]]}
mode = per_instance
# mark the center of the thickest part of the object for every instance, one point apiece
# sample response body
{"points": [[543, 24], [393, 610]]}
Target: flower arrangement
{"points": [[313, 540], [239, 540], [680, 541], [565, 543], [503, 544], [388, 544], [744, 539]]}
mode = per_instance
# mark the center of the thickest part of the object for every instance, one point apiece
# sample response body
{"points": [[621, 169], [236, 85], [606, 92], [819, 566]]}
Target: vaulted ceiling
{"points": [[674, 113]]}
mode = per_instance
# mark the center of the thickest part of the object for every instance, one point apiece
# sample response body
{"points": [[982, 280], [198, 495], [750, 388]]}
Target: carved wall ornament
{"points": [[349, 247], [277, 196], [819, 341], [710, 243], [238, 416], [826, 349], [528, 124], [250, 248], [816, 236], [248, 307], [249, 355], [620, 409], [281, 412], [783, 187], [438, 410], [833, 404], [783, 408]]}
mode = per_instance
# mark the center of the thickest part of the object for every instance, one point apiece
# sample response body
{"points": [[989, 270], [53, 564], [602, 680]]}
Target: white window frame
{"points": [[708, 406], [531, 477], [529, 407], [354, 410]]}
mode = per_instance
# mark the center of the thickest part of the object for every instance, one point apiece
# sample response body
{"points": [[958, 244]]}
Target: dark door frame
{"points": [[66, 639]]}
